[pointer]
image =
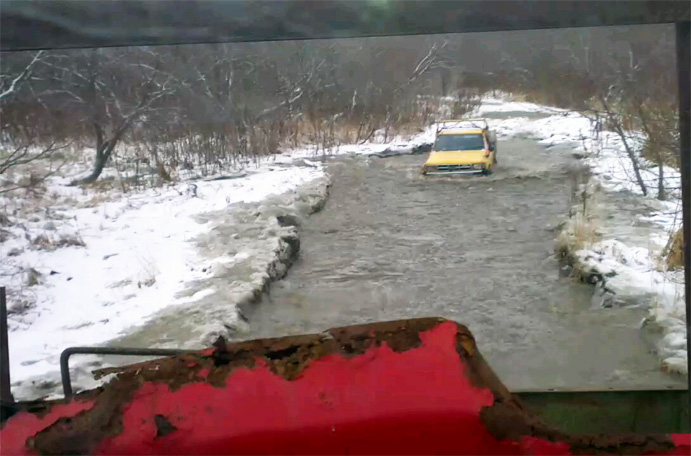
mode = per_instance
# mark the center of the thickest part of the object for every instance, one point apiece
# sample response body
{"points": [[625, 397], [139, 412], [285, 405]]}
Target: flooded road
{"points": [[393, 244]]}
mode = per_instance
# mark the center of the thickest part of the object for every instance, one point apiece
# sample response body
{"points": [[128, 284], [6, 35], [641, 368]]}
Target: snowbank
{"points": [[83, 268], [503, 103], [631, 271], [630, 274], [399, 145], [248, 247]]}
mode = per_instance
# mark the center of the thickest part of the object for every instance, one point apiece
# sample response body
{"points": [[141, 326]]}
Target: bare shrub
{"points": [[5, 220], [5, 235], [33, 277], [580, 230], [579, 233], [584, 233], [47, 242], [674, 251], [21, 305], [147, 274], [465, 101]]}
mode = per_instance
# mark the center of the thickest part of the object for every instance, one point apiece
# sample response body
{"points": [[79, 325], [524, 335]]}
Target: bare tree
{"points": [[112, 113], [25, 154], [11, 83], [640, 88], [225, 104], [465, 101], [433, 60], [28, 147], [659, 124], [614, 120], [107, 90]]}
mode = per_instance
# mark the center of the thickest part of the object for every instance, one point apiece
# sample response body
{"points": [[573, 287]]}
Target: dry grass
{"points": [[674, 252], [563, 246], [580, 230], [46, 242], [352, 131], [148, 273], [578, 233], [20, 305], [5, 235], [675, 365], [33, 277], [585, 233], [5, 220], [95, 200]]}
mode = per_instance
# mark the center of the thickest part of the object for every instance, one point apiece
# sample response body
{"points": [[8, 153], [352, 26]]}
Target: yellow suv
{"points": [[462, 147]]}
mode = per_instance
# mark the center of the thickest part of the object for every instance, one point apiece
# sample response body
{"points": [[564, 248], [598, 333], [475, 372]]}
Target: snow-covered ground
{"points": [[399, 145], [81, 267], [631, 264]]}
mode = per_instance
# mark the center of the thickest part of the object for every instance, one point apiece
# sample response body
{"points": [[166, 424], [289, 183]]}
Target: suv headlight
{"points": [[478, 166]]}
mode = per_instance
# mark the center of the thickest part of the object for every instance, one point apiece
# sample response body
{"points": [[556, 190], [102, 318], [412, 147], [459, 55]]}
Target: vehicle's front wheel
{"points": [[487, 171]]}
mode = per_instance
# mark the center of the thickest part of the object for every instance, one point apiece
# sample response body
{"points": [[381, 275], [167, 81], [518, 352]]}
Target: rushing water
{"points": [[393, 244]]}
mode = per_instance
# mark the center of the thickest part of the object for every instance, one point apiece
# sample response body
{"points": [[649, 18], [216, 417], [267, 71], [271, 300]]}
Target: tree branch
{"points": [[21, 76]]}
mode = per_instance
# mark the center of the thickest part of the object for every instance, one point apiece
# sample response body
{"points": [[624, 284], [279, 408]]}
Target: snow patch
{"points": [[400, 145]]}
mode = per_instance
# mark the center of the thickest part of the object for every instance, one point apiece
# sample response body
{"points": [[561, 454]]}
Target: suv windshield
{"points": [[459, 142]]}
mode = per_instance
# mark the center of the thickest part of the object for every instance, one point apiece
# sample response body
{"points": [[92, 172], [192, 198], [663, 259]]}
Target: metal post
{"points": [[5, 388], [684, 81], [65, 358]]}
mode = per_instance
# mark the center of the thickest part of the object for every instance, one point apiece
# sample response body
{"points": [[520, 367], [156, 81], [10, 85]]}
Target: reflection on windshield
{"points": [[459, 142]]}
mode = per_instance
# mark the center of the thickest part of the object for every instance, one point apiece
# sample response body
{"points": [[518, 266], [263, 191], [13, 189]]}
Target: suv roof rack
{"points": [[462, 123]]}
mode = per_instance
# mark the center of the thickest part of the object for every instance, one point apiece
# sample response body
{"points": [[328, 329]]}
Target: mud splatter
{"points": [[81, 433], [163, 426], [509, 421], [286, 356]]}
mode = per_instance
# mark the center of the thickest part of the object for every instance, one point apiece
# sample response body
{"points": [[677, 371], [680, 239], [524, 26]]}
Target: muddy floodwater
{"points": [[393, 244]]}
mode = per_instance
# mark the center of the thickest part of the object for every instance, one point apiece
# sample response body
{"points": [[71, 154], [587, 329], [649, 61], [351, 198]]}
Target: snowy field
{"points": [[634, 269], [81, 267]]}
